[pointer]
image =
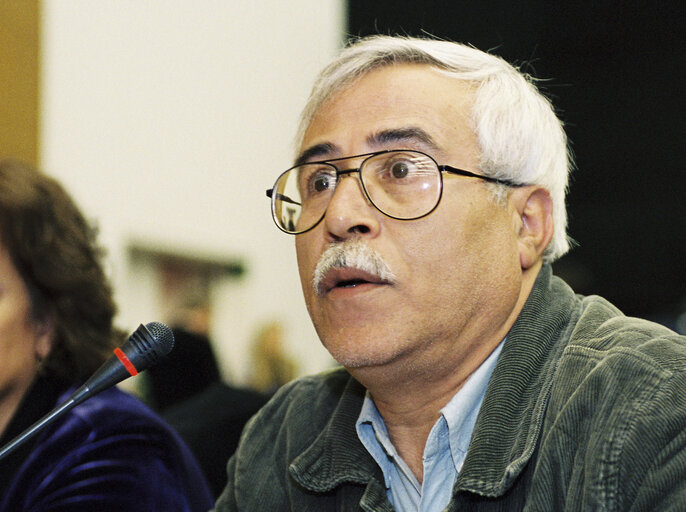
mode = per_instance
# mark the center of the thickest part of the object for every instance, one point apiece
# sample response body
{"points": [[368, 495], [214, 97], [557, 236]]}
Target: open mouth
{"points": [[340, 278], [350, 283]]}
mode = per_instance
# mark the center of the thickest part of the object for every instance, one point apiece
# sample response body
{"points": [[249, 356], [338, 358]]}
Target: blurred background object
{"points": [[188, 389], [272, 367], [190, 368]]}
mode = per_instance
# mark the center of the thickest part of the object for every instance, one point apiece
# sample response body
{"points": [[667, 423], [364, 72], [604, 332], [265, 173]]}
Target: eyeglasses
{"points": [[402, 184]]}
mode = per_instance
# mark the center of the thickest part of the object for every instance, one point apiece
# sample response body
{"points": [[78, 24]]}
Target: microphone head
{"points": [[163, 336], [148, 344]]}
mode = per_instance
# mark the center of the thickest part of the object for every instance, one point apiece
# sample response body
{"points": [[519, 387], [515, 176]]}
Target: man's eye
{"points": [[400, 169], [321, 183]]}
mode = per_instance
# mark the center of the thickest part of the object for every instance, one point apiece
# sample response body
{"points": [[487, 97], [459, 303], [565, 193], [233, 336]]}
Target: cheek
{"points": [[18, 343], [463, 253]]}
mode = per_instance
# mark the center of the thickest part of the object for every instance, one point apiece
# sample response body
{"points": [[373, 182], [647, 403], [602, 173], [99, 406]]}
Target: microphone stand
{"points": [[38, 426]]}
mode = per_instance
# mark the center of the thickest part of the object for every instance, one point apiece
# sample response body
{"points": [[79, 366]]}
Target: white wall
{"points": [[167, 120]]}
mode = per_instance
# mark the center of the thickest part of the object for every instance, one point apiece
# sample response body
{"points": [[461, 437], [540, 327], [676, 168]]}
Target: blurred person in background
{"points": [[110, 453], [189, 393], [271, 365]]}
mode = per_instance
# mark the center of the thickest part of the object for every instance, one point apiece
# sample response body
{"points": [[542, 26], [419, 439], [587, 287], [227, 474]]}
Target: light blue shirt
{"points": [[445, 448]]}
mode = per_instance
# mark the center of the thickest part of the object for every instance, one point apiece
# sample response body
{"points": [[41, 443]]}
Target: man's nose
{"points": [[350, 212]]}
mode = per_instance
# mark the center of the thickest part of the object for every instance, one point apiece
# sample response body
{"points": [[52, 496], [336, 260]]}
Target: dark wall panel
{"points": [[615, 71]]}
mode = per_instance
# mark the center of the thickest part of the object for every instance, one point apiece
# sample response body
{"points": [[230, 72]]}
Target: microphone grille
{"points": [[163, 335]]}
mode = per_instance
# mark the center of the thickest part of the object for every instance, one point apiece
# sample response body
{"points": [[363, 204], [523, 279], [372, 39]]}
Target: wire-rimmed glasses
{"points": [[402, 184]]}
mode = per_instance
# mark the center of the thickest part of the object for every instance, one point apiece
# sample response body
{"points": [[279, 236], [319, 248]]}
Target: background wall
{"points": [[167, 120], [19, 78]]}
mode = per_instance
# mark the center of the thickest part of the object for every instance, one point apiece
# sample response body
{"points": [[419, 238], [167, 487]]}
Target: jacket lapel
{"points": [[511, 417], [337, 456]]}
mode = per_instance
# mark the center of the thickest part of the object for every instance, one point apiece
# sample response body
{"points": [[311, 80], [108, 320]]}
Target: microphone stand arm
{"points": [[37, 427]]}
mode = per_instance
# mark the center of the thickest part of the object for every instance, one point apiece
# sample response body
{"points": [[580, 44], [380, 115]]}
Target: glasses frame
{"points": [[343, 172]]}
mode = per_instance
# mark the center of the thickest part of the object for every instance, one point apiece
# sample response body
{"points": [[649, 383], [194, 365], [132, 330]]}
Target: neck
{"points": [[9, 401], [410, 399]]}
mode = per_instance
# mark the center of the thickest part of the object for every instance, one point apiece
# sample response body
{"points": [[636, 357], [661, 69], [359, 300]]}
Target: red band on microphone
{"points": [[126, 362]]}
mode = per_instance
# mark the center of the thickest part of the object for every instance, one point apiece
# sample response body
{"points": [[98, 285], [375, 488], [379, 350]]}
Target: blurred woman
{"points": [[110, 453]]}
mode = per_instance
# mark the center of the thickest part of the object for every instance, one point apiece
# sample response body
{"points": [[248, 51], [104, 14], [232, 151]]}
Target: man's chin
{"points": [[359, 358]]}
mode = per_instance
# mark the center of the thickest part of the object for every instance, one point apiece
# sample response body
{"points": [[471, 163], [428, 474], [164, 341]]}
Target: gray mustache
{"points": [[353, 253]]}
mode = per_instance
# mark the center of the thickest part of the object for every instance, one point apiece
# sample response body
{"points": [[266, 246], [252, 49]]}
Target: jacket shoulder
{"points": [[618, 398], [602, 331]]}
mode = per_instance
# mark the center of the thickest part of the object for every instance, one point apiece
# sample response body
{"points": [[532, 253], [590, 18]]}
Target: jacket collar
{"points": [[510, 418]]}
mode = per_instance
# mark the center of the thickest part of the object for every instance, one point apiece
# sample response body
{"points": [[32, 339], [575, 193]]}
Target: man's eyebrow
{"points": [[381, 138], [405, 134], [325, 148]]}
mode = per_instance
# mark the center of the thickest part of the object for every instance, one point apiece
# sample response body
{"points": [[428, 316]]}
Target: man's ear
{"points": [[533, 208]]}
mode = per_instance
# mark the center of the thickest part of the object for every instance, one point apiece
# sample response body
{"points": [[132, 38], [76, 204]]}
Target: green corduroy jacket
{"points": [[585, 410]]}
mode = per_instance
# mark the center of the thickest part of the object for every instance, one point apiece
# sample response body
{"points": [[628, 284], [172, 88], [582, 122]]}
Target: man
{"points": [[427, 202]]}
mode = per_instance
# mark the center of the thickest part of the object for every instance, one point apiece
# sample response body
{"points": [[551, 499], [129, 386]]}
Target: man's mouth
{"points": [[349, 265], [347, 278]]}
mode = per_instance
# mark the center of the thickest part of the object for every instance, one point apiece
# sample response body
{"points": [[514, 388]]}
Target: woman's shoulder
{"points": [[109, 446]]}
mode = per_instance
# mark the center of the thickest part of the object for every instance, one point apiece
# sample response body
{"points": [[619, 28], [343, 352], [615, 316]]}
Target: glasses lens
{"points": [[402, 184], [301, 195]]}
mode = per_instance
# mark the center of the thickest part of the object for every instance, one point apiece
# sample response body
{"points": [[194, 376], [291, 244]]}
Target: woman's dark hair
{"points": [[55, 251]]}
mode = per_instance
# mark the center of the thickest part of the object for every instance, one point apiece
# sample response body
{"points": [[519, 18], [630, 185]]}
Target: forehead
{"points": [[401, 99]]}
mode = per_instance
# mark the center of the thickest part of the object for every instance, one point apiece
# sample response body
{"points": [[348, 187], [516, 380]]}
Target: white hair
{"points": [[520, 137]]}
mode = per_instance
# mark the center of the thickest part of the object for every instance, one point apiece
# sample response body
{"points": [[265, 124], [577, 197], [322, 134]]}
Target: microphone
{"points": [[144, 348]]}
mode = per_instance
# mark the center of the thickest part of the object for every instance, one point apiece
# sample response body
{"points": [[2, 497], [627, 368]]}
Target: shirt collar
{"points": [[461, 412]]}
